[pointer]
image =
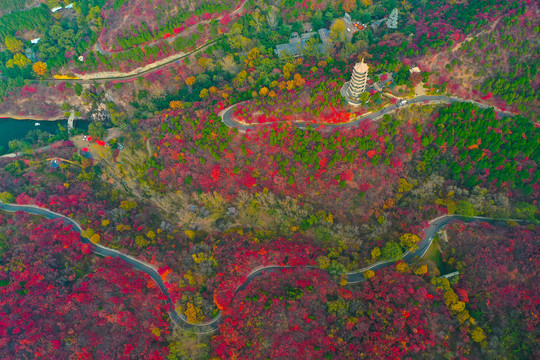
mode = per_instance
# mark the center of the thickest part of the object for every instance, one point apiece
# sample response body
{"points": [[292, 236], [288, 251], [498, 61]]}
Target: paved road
{"points": [[422, 99], [213, 325]]}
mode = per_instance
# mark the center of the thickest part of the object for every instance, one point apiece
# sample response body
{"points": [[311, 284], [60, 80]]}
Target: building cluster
{"points": [[297, 43], [58, 8]]}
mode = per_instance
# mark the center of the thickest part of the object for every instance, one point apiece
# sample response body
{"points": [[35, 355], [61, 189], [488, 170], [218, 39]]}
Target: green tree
{"points": [[364, 97], [317, 21], [402, 76], [391, 250], [312, 47], [465, 208], [78, 89], [96, 130], [525, 210]]}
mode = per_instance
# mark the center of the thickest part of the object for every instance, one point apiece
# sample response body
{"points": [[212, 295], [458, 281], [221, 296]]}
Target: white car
{"points": [[404, 102]]}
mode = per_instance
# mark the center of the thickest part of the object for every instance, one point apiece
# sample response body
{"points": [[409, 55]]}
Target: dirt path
{"points": [[471, 37], [135, 72]]}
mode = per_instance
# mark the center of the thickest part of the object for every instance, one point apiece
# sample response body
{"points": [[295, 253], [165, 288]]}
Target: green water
{"points": [[17, 129]]}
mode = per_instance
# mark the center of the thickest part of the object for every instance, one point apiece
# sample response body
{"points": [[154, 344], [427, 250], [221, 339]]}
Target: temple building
{"points": [[358, 82]]}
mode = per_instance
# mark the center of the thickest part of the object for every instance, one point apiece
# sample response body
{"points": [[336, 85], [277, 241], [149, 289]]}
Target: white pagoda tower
{"points": [[358, 81]]}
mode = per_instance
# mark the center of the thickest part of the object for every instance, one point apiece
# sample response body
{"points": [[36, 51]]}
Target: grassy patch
{"points": [[434, 254]]}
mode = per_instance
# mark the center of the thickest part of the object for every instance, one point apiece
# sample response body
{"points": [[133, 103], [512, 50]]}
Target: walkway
{"points": [[212, 325]]}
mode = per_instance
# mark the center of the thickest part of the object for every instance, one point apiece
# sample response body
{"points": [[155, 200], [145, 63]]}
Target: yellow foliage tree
{"points": [[337, 31], [190, 278], [404, 185], [478, 334], [94, 239], [190, 81], [128, 205], [87, 233], [349, 5], [450, 297], [193, 313], [198, 258], [421, 270], [204, 94], [463, 316], [298, 80], [122, 227], [18, 59], [366, 3], [402, 266], [6, 197], [175, 105], [241, 78], [40, 68], [287, 69], [14, 45], [458, 306], [205, 62], [330, 218], [263, 91], [290, 85], [368, 274], [408, 241], [375, 253], [141, 241], [323, 261], [252, 56], [105, 222], [156, 331]]}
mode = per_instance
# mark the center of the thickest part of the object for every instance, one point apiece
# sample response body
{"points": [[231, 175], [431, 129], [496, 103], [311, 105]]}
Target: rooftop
{"points": [[361, 67], [297, 43]]}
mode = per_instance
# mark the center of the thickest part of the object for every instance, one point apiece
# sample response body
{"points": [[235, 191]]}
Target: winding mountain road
{"points": [[213, 325], [226, 115]]}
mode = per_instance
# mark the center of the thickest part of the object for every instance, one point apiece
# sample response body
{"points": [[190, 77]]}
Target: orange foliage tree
{"points": [[349, 5], [40, 68]]}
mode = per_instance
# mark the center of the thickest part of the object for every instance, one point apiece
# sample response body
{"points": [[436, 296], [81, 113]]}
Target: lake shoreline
{"points": [[31, 117]]}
